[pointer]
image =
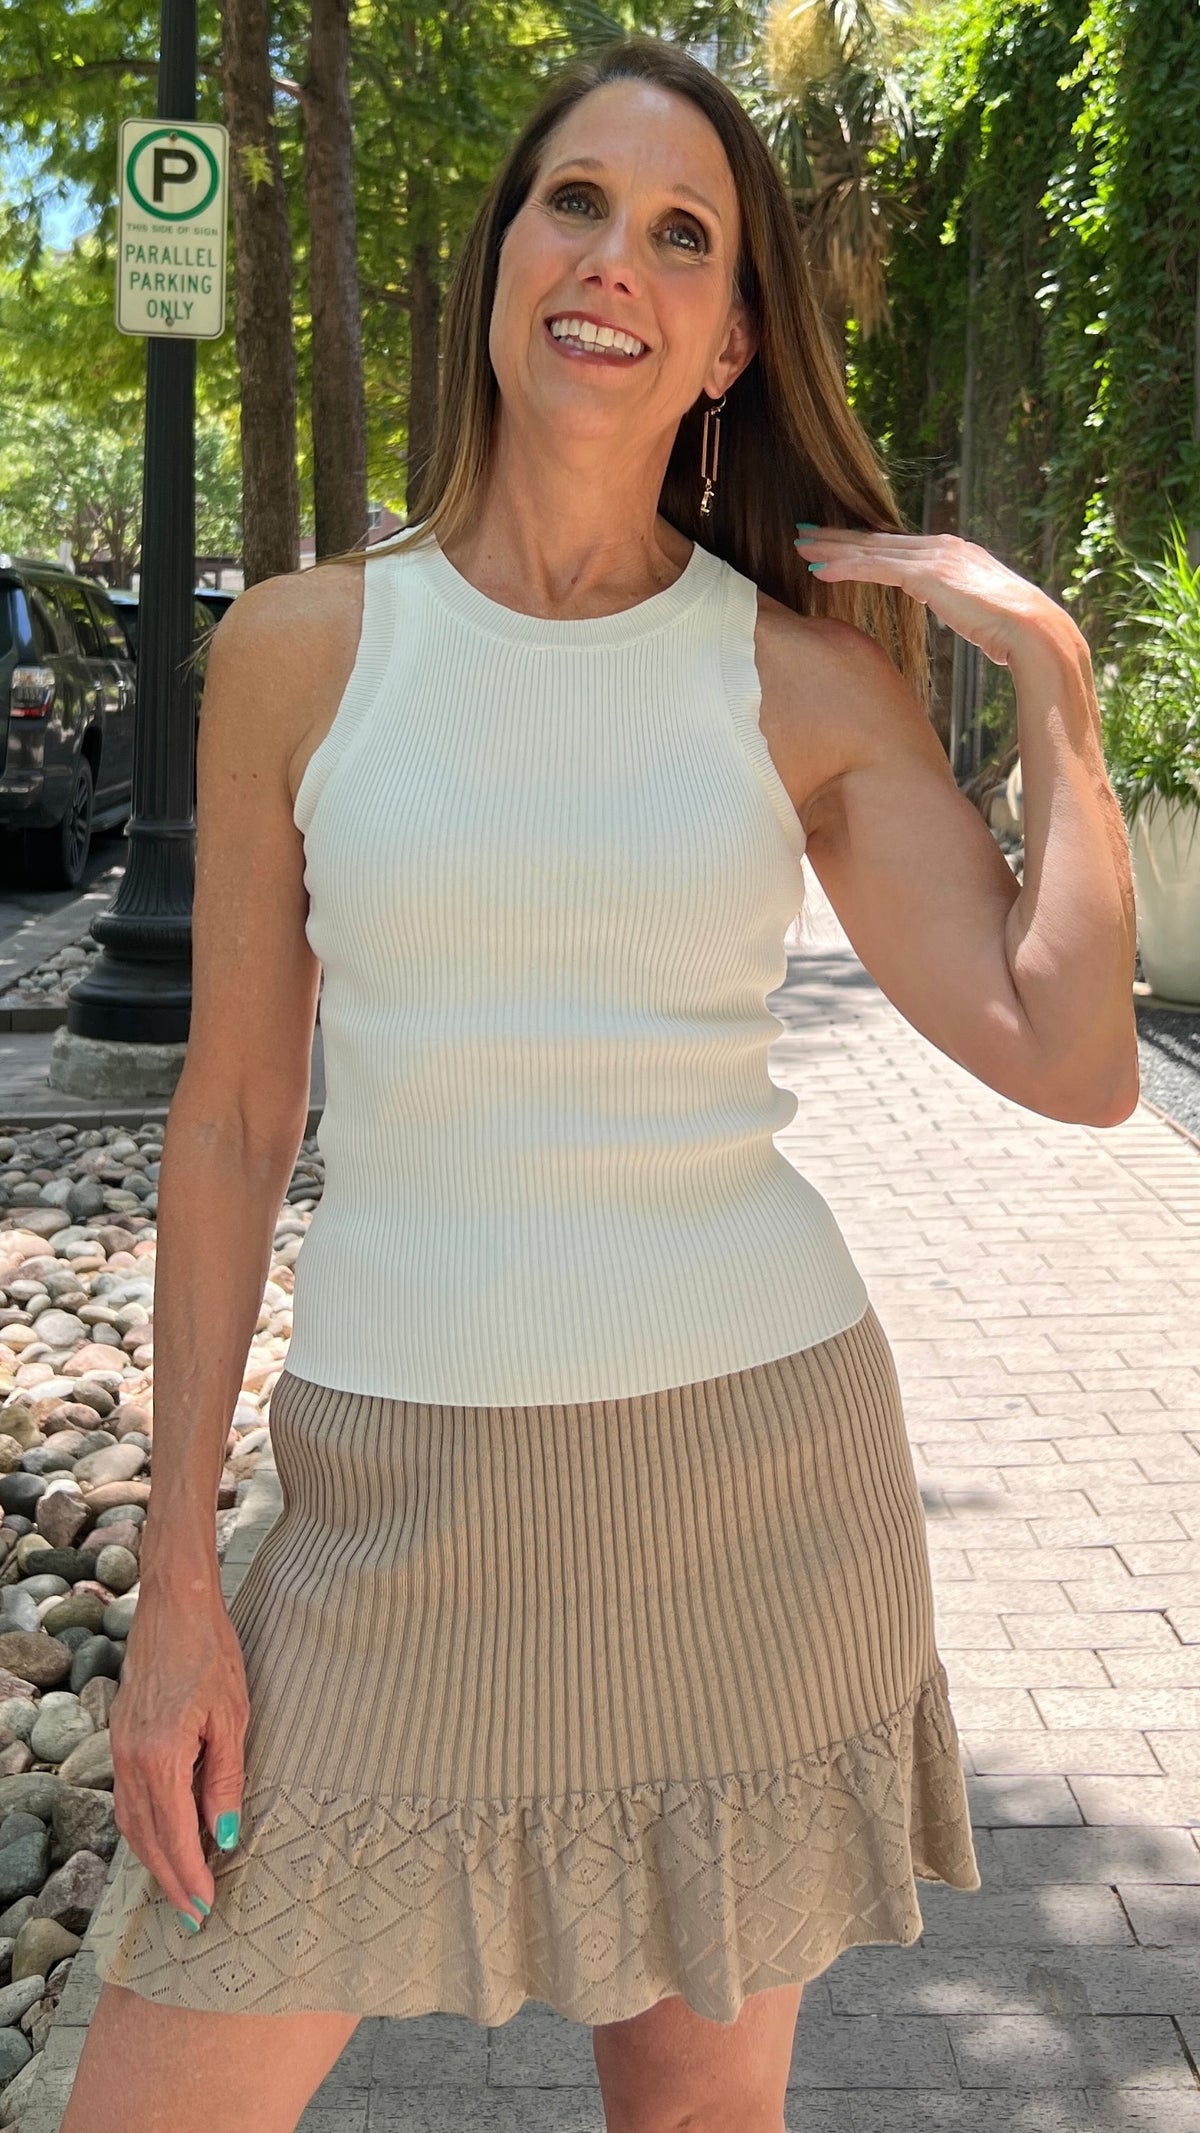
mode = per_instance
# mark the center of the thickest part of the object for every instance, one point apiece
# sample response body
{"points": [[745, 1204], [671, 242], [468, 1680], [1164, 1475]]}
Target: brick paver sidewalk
{"points": [[1040, 1285]]}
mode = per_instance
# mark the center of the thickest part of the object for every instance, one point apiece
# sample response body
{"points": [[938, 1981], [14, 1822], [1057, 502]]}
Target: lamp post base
{"points": [[99, 1066]]}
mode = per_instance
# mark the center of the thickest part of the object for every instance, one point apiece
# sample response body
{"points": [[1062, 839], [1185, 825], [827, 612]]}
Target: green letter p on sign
{"points": [[171, 229]]}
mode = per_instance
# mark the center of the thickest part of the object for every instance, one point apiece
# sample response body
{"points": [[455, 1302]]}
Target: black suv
{"points": [[66, 718]]}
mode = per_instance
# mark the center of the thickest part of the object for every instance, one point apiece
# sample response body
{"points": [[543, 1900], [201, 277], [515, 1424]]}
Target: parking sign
{"points": [[171, 229]]}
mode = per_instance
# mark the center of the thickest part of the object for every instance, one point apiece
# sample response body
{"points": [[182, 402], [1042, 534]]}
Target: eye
{"points": [[575, 198]]}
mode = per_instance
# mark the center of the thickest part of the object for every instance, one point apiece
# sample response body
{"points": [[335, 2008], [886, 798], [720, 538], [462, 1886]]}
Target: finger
{"points": [[159, 1821], [175, 1830], [222, 1776]]}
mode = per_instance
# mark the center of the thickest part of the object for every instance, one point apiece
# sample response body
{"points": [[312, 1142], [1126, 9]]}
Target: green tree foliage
{"points": [[71, 433], [1052, 182]]}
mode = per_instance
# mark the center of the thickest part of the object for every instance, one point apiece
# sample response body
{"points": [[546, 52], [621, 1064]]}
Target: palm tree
{"points": [[827, 97]]}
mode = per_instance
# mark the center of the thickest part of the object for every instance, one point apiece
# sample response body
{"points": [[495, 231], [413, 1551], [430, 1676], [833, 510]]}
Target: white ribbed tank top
{"points": [[550, 866]]}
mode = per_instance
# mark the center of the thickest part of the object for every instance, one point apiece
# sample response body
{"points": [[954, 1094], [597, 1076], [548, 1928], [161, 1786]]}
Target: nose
{"points": [[609, 260]]}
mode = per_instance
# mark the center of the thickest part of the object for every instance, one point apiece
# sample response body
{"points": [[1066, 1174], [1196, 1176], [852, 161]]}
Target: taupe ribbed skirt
{"points": [[584, 1704]]}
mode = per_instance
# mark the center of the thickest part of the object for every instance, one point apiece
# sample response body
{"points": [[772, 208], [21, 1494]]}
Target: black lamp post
{"points": [[139, 989]]}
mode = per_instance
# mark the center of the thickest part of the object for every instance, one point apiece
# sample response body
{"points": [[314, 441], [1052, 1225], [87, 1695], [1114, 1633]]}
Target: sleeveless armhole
{"points": [[743, 688], [376, 638]]}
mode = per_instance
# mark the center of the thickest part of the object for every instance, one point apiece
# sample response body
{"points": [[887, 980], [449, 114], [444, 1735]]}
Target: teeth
{"points": [[591, 336]]}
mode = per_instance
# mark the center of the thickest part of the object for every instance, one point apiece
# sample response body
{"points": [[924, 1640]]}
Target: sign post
{"points": [[171, 277], [171, 229]]}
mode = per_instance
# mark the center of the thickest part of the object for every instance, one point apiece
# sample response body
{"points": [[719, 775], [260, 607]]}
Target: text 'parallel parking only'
{"points": [[171, 229]]}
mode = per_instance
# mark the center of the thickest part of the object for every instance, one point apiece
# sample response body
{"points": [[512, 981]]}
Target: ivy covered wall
{"points": [[1052, 249]]}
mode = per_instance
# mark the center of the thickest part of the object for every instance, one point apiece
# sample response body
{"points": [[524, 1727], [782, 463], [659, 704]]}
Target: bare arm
{"points": [[1029, 992], [279, 664], [1071, 935]]}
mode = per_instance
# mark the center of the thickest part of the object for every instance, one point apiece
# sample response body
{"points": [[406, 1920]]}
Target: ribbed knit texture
{"points": [[550, 867], [584, 1704]]}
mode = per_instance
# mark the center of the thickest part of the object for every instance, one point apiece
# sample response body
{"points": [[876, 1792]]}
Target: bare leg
{"points": [[670, 2068], [168, 2070]]}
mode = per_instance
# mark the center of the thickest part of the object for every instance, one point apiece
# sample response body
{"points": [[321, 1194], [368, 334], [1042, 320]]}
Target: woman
{"points": [[591, 1659]]}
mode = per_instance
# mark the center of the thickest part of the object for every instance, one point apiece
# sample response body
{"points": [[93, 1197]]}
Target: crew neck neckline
{"points": [[624, 627]]}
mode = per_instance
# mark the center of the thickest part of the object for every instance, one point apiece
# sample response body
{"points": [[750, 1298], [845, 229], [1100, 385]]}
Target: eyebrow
{"points": [[685, 192]]}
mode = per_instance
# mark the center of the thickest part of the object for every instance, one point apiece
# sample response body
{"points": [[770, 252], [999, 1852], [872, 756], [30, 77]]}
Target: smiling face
{"points": [[615, 305]]}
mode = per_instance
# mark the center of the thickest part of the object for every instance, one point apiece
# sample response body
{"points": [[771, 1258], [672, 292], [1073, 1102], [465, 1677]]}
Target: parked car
{"points": [[66, 718], [207, 609]]}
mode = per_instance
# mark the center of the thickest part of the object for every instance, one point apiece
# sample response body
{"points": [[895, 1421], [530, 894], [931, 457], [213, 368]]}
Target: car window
{"points": [[112, 636], [46, 626], [83, 615], [10, 621]]}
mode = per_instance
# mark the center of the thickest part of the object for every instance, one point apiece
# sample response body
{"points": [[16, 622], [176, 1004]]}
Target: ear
{"points": [[739, 346]]}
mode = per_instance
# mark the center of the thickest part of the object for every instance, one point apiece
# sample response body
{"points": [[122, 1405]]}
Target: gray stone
{"points": [[119, 1614], [61, 1513], [19, 1715], [15, 2052], [44, 1585], [20, 2093], [12, 1919], [83, 1821], [22, 1492], [117, 1462], [116, 1567], [79, 1610], [23, 1993], [35, 1791], [56, 1457], [74, 1634], [19, 1610], [90, 1763], [86, 1197], [19, 1824], [65, 1565], [95, 1440], [58, 1732], [23, 1865], [100, 1655], [61, 1329], [72, 1893]]}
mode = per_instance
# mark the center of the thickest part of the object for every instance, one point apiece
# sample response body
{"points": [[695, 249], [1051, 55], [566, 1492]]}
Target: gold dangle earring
{"points": [[708, 475]]}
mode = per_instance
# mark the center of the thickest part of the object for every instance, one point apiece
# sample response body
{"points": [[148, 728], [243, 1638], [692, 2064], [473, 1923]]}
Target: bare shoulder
{"points": [[280, 661], [832, 701]]}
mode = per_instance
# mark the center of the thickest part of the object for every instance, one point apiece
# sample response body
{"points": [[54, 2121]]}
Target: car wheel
{"points": [[56, 858]]}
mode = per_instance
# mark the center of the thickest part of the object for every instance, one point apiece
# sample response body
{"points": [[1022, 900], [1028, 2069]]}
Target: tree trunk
{"points": [[265, 346], [423, 316], [339, 425]]}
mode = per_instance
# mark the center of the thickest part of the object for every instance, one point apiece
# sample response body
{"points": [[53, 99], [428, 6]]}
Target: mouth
{"points": [[588, 340]]}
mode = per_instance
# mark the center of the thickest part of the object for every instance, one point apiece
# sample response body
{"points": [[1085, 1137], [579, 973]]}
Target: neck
{"points": [[570, 524]]}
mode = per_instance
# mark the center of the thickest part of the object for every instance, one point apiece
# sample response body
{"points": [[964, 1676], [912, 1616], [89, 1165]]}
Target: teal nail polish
{"points": [[192, 1924], [201, 1905], [816, 566], [227, 1831], [806, 525]]}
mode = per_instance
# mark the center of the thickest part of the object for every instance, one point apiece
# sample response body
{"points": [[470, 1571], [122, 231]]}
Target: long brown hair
{"points": [[791, 447]]}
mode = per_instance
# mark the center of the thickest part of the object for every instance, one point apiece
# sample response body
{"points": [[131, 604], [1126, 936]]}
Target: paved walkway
{"points": [[1040, 1285]]}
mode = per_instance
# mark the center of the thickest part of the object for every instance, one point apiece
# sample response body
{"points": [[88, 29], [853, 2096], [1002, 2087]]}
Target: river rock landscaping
{"points": [[49, 984], [77, 1251]]}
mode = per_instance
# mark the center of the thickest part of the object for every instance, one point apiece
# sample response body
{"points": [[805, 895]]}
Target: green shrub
{"points": [[1150, 700]]}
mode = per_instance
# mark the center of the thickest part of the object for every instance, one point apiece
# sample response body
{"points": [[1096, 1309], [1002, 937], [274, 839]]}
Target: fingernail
{"points": [[192, 1924], [806, 525], [816, 566], [227, 1831], [201, 1905]]}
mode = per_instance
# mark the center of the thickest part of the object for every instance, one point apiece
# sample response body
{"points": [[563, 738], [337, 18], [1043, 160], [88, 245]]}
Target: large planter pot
{"points": [[1164, 844]]}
